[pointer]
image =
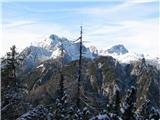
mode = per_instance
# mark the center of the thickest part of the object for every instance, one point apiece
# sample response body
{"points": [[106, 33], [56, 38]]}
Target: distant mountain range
{"points": [[50, 48]]}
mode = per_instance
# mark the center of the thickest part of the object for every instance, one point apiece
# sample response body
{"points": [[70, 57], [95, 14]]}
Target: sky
{"points": [[133, 23]]}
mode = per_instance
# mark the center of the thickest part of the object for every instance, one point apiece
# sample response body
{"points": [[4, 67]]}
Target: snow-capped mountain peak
{"points": [[50, 42], [118, 49], [51, 48], [120, 53]]}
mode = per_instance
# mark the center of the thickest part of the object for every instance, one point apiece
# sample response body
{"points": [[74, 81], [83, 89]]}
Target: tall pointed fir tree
{"points": [[12, 93], [10, 83]]}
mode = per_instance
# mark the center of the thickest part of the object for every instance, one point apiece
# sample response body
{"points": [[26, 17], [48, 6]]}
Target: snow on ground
{"points": [[42, 65]]}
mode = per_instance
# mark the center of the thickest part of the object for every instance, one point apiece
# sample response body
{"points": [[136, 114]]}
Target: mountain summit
{"points": [[118, 49], [50, 48], [70, 48]]}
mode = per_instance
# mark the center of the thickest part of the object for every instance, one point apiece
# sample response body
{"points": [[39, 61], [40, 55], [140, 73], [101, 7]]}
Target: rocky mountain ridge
{"points": [[51, 47]]}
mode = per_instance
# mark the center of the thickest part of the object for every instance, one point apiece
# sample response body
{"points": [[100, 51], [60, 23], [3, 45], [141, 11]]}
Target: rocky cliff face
{"points": [[100, 79]]}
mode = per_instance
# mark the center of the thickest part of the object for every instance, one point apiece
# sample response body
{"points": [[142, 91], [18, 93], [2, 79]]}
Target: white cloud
{"points": [[19, 23], [138, 36], [103, 10], [26, 33], [127, 7]]}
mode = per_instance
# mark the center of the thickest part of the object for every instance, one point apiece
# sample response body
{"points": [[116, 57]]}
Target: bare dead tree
{"points": [[61, 72], [80, 68]]}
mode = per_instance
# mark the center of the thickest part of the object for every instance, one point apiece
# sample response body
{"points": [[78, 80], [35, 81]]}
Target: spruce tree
{"points": [[12, 94], [10, 83]]}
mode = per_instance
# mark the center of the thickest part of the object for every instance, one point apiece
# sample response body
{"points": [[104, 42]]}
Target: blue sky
{"points": [[134, 23]]}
